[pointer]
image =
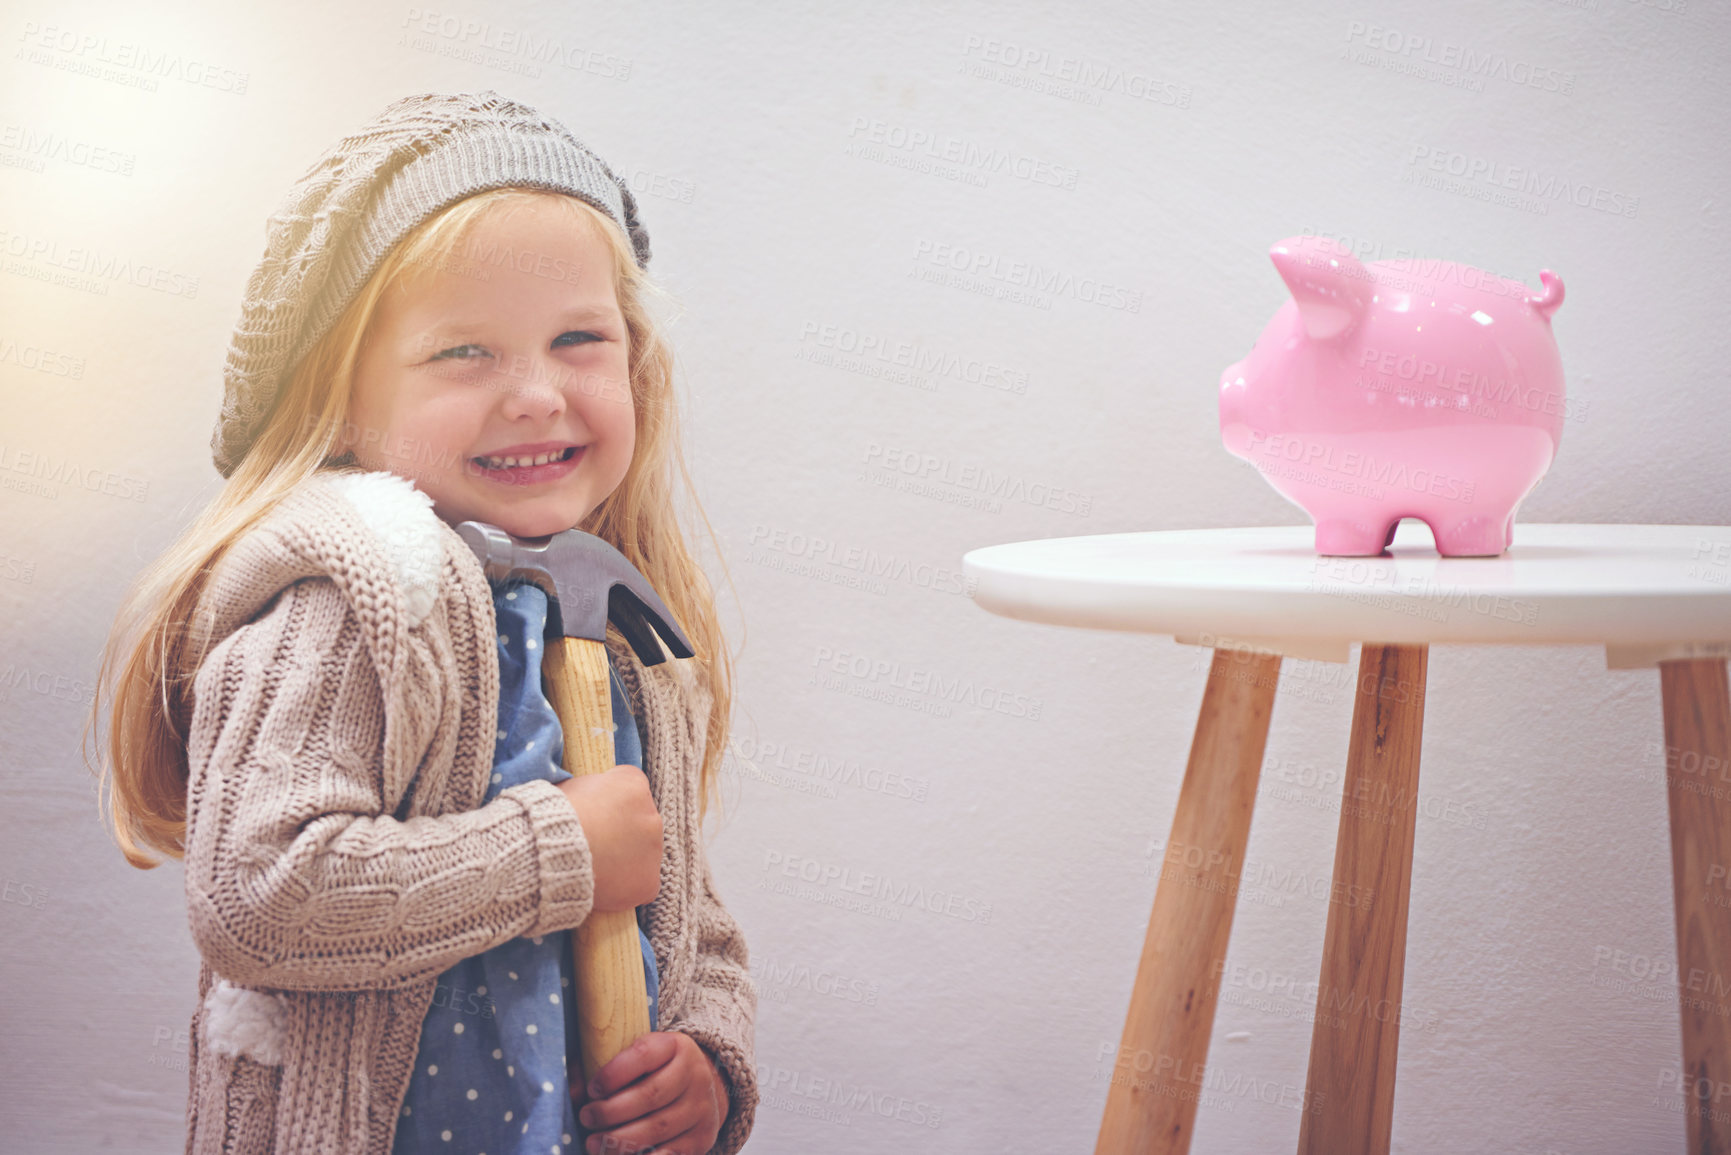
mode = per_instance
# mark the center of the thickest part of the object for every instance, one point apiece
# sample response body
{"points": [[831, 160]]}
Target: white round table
{"points": [[1652, 595]]}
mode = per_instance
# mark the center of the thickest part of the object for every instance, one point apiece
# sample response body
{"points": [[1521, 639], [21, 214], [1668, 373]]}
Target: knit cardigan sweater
{"points": [[337, 861]]}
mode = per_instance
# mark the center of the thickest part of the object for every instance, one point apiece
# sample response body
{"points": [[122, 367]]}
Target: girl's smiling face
{"points": [[474, 370]]}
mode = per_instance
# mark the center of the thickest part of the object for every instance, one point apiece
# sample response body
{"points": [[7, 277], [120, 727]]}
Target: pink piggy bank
{"points": [[1407, 388]]}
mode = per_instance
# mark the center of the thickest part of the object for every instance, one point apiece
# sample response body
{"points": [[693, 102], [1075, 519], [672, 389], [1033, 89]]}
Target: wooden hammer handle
{"points": [[612, 1001]]}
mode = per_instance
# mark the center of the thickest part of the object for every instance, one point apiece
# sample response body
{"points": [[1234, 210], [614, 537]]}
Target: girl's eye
{"points": [[458, 353], [469, 352]]}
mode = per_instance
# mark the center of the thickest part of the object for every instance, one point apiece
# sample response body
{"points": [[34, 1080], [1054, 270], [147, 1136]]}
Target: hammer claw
{"points": [[588, 583]]}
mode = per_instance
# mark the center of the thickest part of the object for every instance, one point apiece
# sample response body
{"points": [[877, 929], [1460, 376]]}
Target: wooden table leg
{"points": [[1698, 789], [1349, 1100], [1157, 1075]]}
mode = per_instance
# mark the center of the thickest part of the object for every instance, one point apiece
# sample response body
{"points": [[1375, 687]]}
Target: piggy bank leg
{"points": [[1477, 536], [1362, 535]]}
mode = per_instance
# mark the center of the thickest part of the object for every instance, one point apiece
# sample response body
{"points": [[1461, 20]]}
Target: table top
{"points": [[1624, 585]]}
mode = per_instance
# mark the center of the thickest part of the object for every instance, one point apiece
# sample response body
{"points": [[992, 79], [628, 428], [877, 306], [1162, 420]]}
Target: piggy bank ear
{"points": [[1332, 290]]}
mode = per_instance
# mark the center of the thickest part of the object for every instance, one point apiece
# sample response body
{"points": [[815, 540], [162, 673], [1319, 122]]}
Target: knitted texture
{"points": [[338, 860], [343, 215]]}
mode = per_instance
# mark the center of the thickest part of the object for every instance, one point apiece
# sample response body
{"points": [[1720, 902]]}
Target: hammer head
{"points": [[587, 582]]}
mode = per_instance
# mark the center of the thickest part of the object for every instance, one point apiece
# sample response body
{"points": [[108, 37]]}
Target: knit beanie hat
{"points": [[338, 221]]}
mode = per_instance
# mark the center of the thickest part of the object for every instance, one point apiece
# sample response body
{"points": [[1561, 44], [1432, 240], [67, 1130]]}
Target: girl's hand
{"points": [[660, 1094], [618, 816]]}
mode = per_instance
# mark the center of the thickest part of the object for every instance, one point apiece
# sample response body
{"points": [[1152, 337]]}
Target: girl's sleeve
{"points": [[720, 1010], [297, 875]]}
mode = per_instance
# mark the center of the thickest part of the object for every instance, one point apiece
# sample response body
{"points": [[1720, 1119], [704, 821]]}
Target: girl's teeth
{"points": [[517, 462]]}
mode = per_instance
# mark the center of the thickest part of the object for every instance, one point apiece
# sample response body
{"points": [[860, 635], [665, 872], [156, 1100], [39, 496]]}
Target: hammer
{"points": [[589, 583]]}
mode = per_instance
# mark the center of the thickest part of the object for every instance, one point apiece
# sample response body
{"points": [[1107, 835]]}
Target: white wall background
{"points": [[1541, 927]]}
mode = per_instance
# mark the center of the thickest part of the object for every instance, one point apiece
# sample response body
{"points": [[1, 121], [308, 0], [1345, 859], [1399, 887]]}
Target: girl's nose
{"points": [[535, 386]]}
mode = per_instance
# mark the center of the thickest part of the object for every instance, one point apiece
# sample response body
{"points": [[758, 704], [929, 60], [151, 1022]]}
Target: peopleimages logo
{"points": [[966, 154], [990, 268], [42, 471], [1373, 471], [93, 54], [466, 38], [95, 264], [1210, 869], [772, 758], [1544, 187], [930, 468], [882, 888], [914, 356], [836, 1100], [1446, 54], [776, 976], [918, 681], [1090, 77], [867, 563], [1159, 1073], [40, 360], [39, 146]]}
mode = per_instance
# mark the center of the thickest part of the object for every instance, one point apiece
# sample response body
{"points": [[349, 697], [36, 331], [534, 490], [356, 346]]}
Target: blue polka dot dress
{"points": [[490, 1074]]}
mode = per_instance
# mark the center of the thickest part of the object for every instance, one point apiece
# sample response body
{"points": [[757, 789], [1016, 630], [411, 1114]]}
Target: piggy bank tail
{"points": [[1546, 302]]}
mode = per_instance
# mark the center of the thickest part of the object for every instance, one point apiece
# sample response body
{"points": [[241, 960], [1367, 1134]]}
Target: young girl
{"points": [[327, 708]]}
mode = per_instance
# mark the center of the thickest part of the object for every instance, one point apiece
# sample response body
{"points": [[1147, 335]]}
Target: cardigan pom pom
{"points": [[402, 519], [244, 1023]]}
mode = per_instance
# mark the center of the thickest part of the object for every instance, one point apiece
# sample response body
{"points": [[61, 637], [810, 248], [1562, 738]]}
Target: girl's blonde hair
{"points": [[148, 666]]}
